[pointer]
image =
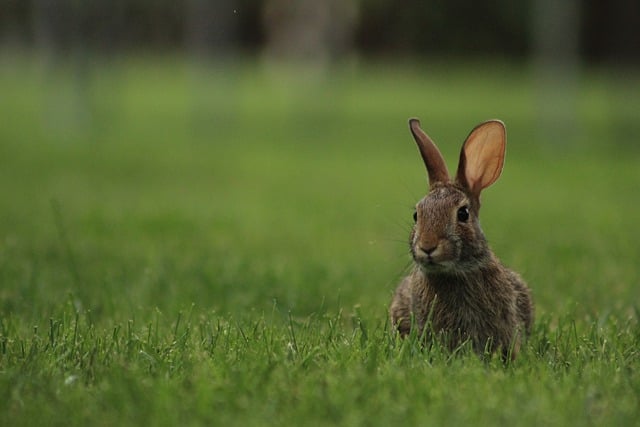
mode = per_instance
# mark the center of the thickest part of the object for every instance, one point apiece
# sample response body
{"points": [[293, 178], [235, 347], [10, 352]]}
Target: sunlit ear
{"points": [[482, 156], [433, 160]]}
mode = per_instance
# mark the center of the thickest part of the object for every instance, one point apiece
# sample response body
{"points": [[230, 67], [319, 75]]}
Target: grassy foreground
{"points": [[217, 246]]}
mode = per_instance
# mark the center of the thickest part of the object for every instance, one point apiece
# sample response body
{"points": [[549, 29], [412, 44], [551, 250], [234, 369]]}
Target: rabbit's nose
{"points": [[428, 250]]}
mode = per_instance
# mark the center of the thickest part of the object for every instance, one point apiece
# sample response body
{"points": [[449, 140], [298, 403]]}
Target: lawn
{"points": [[186, 244]]}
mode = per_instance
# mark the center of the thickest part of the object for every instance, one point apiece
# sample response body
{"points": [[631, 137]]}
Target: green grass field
{"points": [[192, 246]]}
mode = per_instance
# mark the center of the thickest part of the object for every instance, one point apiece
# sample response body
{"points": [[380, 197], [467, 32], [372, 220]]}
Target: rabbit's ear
{"points": [[436, 167], [482, 156]]}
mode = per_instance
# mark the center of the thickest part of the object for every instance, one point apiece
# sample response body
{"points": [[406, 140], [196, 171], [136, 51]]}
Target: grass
{"points": [[186, 245]]}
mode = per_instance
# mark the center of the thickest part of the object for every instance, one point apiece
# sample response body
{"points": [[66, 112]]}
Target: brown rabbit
{"points": [[458, 289]]}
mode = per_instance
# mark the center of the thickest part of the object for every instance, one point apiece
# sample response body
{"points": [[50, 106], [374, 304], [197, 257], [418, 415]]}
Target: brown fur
{"points": [[458, 289]]}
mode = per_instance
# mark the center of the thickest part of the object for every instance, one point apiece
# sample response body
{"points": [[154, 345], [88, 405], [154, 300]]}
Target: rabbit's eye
{"points": [[415, 216], [463, 214]]}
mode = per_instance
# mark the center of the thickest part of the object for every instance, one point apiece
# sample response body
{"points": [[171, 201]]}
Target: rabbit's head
{"points": [[447, 237]]}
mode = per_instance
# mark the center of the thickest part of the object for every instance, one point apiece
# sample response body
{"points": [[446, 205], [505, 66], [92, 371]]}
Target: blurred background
{"points": [[556, 41], [241, 152], [595, 31]]}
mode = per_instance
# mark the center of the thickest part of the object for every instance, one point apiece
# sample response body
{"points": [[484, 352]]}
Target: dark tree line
{"points": [[604, 29]]}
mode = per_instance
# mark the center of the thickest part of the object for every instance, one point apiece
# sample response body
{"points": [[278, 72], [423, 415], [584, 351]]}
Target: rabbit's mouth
{"points": [[439, 257], [433, 264]]}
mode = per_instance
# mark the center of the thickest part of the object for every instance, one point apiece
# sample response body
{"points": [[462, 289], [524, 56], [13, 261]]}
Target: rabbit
{"points": [[458, 290]]}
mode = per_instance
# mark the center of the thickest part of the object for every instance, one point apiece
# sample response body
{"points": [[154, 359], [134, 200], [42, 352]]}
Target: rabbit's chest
{"points": [[466, 315]]}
